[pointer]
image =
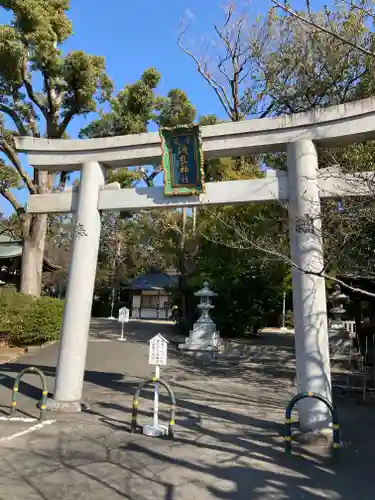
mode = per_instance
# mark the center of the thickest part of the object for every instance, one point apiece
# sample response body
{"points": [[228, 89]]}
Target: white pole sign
{"points": [[158, 356], [123, 317]]}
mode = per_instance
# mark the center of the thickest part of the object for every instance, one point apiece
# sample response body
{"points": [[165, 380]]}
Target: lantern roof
{"points": [[205, 291]]}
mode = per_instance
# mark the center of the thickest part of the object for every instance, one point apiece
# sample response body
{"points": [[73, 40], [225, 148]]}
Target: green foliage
{"points": [[250, 287], [132, 245], [208, 120], [249, 291], [28, 320], [86, 73], [287, 285], [134, 107], [131, 110], [41, 91], [175, 109], [124, 176], [9, 177], [306, 68]]}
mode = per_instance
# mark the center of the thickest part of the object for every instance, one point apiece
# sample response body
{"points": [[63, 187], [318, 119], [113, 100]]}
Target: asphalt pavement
{"points": [[227, 442]]}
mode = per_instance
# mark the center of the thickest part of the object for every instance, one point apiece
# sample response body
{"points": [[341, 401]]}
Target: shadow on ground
{"points": [[217, 452], [227, 437]]}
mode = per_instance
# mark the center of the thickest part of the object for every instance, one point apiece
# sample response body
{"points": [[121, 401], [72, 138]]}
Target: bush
{"points": [[249, 292], [29, 320]]}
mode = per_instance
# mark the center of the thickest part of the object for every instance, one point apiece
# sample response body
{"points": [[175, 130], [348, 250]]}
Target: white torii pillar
{"points": [[309, 291], [79, 295]]}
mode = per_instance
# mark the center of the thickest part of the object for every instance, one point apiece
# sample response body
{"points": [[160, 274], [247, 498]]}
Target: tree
{"points": [[313, 68], [250, 287], [230, 68], [58, 248], [306, 68], [360, 15], [42, 90], [174, 110], [234, 75], [291, 66], [303, 69]]}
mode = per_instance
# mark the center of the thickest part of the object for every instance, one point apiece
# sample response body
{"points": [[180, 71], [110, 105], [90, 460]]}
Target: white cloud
{"points": [[189, 15]]}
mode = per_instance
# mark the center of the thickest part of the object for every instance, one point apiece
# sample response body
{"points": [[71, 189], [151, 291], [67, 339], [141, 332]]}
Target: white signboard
{"points": [[123, 315], [157, 354]]}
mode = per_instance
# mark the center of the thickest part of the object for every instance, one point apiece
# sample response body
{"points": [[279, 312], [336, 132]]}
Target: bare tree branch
{"points": [[13, 157], [282, 257], [355, 6], [267, 110], [319, 27], [19, 104], [66, 120], [29, 89], [202, 70], [234, 54], [149, 178], [12, 113], [12, 200], [49, 92]]}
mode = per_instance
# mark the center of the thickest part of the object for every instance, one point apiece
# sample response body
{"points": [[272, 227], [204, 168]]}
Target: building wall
{"points": [[150, 305]]}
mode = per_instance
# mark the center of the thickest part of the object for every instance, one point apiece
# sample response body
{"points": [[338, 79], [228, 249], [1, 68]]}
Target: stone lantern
{"points": [[205, 303], [203, 336], [338, 299], [339, 339]]}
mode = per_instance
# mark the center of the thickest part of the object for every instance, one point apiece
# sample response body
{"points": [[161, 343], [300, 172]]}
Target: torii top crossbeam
{"points": [[343, 124], [352, 122]]}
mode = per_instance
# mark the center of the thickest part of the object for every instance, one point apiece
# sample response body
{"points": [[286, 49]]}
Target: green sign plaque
{"points": [[182, 161]]}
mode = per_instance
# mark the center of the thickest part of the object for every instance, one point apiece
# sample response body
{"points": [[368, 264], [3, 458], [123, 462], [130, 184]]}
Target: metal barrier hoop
{"points": [[172, 409], [288, 420], [43, 398]]}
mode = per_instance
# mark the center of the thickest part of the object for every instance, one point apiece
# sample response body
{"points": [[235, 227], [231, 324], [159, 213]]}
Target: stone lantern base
{"points": [[203, 337]]}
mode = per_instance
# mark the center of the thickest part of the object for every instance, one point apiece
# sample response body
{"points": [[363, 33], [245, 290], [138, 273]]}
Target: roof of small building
{"points": [[154, 281], [11, 248]]}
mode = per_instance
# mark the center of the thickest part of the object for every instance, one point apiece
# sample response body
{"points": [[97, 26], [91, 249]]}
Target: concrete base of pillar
{"points": [[64, 406], [321, 437]]}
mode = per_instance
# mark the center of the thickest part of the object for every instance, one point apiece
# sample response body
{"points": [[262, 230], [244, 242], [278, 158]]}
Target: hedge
{"points": [[27, 320]]}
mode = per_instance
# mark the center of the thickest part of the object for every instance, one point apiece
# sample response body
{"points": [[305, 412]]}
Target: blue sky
{"points": [[136, 35], [133, 36]]}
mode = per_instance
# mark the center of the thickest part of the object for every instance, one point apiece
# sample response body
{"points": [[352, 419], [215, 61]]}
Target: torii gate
{"points": [[303, 186]]}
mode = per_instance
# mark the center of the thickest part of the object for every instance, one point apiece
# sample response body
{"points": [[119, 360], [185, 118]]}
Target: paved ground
{"points": [[227, 438]]}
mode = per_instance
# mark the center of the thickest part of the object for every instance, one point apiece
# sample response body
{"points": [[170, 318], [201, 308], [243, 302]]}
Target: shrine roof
{"points": [[11, 248], [154, 281]]}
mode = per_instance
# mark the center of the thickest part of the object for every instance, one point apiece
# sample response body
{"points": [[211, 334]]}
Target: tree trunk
{"points": [[32, 255], [194, 216], [34, 231]]}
